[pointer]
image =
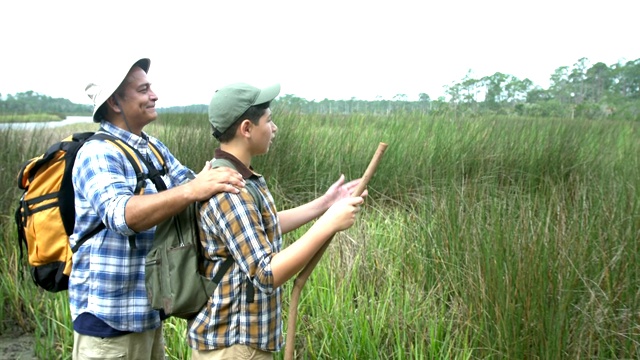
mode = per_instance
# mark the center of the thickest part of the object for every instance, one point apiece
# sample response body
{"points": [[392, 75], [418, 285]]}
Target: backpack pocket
{"points": [[153, 278], [174, 284], [190, 290]]}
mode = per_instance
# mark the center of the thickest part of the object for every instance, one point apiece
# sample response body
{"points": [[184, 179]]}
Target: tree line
{"points": [[30, 102], [583, 91], [579, 91]]}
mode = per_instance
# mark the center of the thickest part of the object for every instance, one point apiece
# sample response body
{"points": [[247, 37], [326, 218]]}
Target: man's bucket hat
{"points": [[110, 79]]}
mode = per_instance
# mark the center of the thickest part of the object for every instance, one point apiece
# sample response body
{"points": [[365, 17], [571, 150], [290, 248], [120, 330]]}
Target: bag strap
{"points": [[158, 154], [93, 232], [134, 157], [223, 270], [216, 163]]}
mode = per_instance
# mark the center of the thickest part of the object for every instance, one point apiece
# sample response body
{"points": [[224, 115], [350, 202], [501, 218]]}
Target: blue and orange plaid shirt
{"points": [[234, 225]]}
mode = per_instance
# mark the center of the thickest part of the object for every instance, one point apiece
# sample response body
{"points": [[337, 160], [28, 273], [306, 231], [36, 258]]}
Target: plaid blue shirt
{"points": [[232, 225], [107, 277]]}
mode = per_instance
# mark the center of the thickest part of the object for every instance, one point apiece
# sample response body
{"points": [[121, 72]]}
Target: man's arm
{"points": [[145, 211]]}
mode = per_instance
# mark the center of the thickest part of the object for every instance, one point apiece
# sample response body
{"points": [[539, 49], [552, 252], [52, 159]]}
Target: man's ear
{"points": [[112, 102]]}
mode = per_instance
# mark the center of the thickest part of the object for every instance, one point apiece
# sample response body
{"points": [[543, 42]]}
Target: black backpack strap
{"points": [[158, 154], [88, 236], [134, 157], [20, 222], [223, 269], [154, 174]]}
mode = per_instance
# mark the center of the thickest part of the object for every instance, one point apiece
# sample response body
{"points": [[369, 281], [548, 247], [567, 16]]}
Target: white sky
{"points": [[314, 49]]}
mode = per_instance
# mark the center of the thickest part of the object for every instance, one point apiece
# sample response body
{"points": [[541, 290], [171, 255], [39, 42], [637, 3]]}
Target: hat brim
{"points": [[267, 94], [113, 81]]}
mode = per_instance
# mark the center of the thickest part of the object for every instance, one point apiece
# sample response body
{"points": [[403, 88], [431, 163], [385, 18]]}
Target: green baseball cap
{"points": [[231, 101]]}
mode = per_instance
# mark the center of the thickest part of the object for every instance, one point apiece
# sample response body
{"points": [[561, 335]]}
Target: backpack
{"points": [[45, 215], [173, 274]]}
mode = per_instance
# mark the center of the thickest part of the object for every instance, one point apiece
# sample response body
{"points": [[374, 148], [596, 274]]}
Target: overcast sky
{"points": [[314, 49]]}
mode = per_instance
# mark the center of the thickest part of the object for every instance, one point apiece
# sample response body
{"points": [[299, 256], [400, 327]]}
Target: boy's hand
{"points": [[342, 214], [339, 190]]}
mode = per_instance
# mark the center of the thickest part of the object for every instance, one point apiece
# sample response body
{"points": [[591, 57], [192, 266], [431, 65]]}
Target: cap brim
{"points": [[267, 94]]}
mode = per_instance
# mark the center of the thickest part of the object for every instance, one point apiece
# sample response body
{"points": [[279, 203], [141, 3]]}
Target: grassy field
{"points": [[491, 238], [29, 118]]}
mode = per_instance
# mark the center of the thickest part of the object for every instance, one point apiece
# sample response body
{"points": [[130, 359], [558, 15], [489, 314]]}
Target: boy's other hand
{"points": [[342, 214], [339, 190]]}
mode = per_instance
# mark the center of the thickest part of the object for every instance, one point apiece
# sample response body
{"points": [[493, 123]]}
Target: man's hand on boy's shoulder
{"points": [[212, 181]]}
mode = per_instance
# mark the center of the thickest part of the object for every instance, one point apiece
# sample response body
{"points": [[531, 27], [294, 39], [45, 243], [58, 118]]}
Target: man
{"points": [[111, 314], [243, 320]]}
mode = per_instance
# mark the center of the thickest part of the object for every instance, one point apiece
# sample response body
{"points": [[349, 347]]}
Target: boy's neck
{"points": [[239, 152]]}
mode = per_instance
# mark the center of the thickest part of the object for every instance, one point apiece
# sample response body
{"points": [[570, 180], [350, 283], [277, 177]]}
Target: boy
{"points": [[242, 319]]}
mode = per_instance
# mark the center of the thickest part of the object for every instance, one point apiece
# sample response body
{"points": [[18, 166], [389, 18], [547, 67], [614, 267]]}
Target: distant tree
{"points": [[560, 88], [494, 89], [424, 102], [454, 92], [627, 79], [517, 89], [537, 94], [471, 88], [599, 79], [292, 102], [400, 97], [424, 97], [577, 78]]}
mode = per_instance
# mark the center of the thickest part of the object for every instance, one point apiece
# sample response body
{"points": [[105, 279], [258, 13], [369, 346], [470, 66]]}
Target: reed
{"points": [[486, 238]]}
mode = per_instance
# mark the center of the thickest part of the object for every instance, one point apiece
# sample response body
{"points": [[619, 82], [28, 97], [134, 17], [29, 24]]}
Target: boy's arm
{"points": [[292, 219], [288, 262]]}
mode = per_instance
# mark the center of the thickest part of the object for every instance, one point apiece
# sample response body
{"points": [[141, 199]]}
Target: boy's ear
{"points": [[245, 127]]}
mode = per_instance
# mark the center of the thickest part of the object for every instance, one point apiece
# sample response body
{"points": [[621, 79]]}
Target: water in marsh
{"points": [[47, 124]]}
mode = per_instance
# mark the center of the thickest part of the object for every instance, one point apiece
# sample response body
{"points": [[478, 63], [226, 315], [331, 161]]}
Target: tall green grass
{"points": [[487, 238], [43, 117]]}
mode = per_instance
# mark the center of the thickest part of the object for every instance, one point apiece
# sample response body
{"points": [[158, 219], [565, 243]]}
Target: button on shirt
{"points": [[233, 225], [107, 278]]}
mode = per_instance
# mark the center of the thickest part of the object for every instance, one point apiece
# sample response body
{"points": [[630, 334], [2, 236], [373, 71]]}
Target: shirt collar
{"points": [[245, 171], [128, 137]]}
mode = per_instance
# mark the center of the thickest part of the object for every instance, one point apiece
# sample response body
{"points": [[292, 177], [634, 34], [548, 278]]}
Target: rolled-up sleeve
{"points": [[101, 179]]}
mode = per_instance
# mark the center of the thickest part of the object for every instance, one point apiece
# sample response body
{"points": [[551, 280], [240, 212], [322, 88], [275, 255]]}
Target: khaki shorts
{"points": [[146, 345], [239, 352]]}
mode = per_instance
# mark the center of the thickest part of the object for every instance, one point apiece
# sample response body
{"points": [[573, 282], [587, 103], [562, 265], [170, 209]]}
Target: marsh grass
{"points": [[11, 118], [487, 238]]}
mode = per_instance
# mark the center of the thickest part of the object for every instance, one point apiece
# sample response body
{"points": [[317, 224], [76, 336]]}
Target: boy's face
{"points": [[263, 134]]}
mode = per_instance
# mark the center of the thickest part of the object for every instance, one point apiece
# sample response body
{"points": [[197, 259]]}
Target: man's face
{"points": [[263, 134], [139, 101]]}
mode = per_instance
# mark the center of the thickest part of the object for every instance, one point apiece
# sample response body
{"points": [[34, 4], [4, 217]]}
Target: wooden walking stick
{"points": [[303, 276]]}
